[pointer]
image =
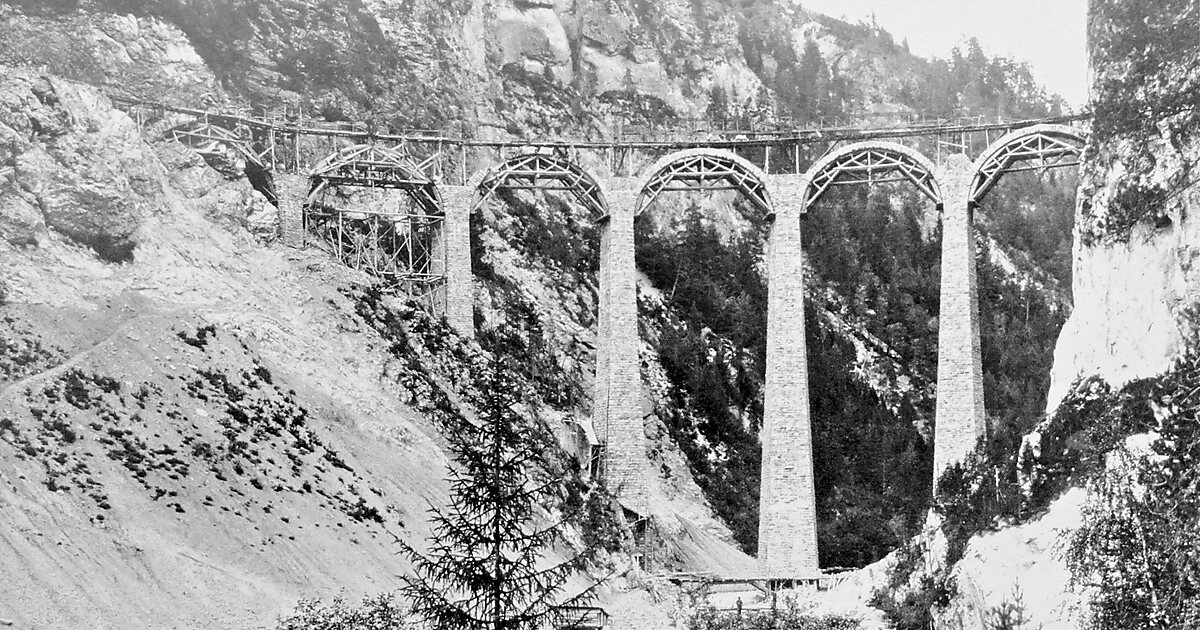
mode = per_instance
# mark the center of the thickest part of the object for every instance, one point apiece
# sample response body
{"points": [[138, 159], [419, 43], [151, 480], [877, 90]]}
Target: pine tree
{"points": [[486, 568], [718, 106]]}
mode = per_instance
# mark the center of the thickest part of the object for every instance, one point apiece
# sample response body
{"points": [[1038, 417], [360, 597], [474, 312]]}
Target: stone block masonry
{"points": [[291, 193], [617, 415], [960, 419], [787, 528], [457, 204]]}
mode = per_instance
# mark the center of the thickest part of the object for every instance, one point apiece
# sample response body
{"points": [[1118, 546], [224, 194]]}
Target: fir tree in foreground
{"points": [[487, 567]]}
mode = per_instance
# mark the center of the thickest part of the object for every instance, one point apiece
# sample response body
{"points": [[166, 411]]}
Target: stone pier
{"points": [[617, 415], [457, 202], [960, 419], [787, 528], [291, 193]]}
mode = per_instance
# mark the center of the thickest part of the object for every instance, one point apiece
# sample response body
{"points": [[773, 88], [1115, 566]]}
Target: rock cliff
{"points": [[493, 67]]}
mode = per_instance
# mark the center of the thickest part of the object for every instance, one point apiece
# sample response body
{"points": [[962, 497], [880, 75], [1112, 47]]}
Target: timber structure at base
{"points": [[421, 243]]}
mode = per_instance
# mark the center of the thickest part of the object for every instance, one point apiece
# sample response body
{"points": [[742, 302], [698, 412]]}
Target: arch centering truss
{"points": [[871, 163], [542, 170], [404, 247], [705, 170], [203, 136], [1043, 146]]}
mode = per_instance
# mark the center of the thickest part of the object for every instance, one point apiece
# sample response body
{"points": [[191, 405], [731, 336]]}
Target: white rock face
{"points": [[1135, 302], [1023, 566], [82, 169], [535, 36], [80, 163]]}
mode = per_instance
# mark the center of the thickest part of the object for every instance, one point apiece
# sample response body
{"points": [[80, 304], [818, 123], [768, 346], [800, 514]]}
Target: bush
{"points": [[787, 618], [912, 609], [601, 522], [376, 613], [1009, 614], [1138, 549]]}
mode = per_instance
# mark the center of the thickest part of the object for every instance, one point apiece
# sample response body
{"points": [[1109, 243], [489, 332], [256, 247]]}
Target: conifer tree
{"points": [[486, 568]]}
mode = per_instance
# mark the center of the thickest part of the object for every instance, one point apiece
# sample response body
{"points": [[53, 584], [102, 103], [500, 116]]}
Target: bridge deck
{"points": [[761, 138]]}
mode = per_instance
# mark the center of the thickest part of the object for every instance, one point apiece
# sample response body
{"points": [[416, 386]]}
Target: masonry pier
{"points": [[787, 526], [960, 419]]}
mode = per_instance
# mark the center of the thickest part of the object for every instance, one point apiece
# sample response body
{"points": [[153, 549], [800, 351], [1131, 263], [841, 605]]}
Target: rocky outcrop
{"points": [[1137, 303], [224, 196], [137, 56], [82, 169], [79, 163]]}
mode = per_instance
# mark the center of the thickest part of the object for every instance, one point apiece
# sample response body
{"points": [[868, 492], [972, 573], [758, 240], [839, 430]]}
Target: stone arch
{"points": [[861, 162], [704, 169], [541, 170], [404, 247], [374, 166], [1052, 146]]}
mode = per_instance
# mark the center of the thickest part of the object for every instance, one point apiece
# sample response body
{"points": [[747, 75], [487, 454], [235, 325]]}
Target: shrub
{"points": [[1009, 614], [376, 613], [786, 618], [912, 609], [601, 522], [1138, 549]]}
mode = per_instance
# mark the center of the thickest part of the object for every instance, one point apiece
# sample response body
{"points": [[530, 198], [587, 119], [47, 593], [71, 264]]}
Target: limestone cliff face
{"points": [[1134, 305], [498, 66], [120, 52], [1136, 273]]}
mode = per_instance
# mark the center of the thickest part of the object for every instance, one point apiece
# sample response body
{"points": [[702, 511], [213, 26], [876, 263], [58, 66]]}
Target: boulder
{"points": [[188, 171], [262, 219], [20, 221], [79, 162]]}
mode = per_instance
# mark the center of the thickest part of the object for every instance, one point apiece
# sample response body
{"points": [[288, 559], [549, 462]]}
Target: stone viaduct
{"points": [[437, 268], [787, 512]]}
